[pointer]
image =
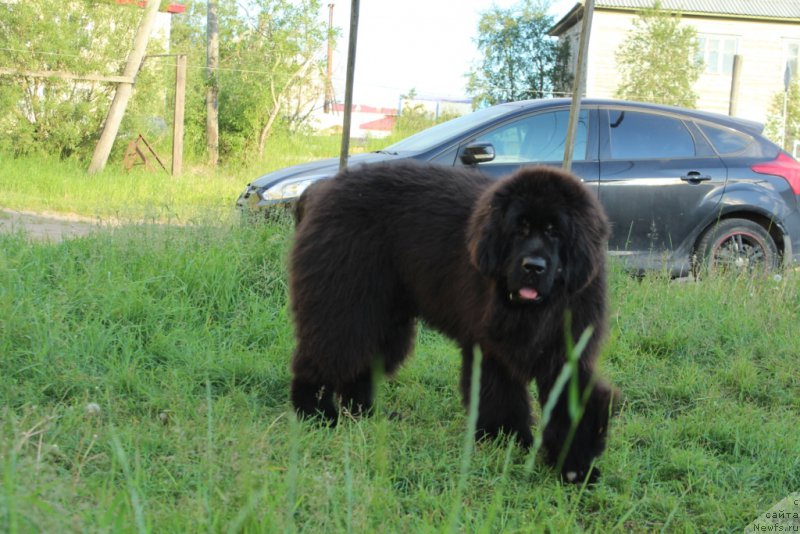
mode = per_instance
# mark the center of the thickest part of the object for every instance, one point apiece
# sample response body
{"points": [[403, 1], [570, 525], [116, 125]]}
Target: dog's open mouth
{"points": [[525, 294]]}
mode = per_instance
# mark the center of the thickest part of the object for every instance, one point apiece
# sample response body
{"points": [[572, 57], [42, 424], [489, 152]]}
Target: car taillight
{"points": [[784, 166]]}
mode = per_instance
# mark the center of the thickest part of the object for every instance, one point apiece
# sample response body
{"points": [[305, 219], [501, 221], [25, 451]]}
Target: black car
{"points": [[681, 187]]}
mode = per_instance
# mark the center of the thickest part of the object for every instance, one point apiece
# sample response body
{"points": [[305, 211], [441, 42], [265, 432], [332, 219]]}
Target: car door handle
{"points": [[694, 177]]}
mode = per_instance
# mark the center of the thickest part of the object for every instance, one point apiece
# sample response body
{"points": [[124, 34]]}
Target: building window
{"points": [[793, 57], [716, 52]]}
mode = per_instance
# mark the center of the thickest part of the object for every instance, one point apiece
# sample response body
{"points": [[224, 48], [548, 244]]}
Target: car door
{"points": [[658, 178], [538, 139]]}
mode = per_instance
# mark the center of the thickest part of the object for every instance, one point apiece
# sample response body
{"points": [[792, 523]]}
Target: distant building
{"points": [[765, 33], [376, 122], [365, 121]]}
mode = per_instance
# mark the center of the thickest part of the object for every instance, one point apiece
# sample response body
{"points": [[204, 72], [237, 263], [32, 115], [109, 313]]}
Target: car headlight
{"points": [[289, 189]]}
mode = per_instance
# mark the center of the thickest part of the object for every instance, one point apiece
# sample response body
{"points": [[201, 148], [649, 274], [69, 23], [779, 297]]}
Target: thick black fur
{"points": [[498, 264]]}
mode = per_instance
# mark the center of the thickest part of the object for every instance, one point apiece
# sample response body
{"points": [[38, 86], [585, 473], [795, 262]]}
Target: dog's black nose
{"points": [[534, 264]]}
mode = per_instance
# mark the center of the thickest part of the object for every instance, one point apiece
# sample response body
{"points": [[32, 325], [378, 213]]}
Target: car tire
{"points": [[738, 246]]}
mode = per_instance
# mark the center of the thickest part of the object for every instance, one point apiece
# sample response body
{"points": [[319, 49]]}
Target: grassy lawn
{"points": [[50, 185], [144, 380], [199, 195]]}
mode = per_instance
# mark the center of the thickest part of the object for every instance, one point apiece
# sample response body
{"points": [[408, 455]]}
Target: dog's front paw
{"points": [[574, 475]]}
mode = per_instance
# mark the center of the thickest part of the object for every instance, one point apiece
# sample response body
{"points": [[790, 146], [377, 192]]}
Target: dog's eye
{"points": [[550, 230], [524, 228]]}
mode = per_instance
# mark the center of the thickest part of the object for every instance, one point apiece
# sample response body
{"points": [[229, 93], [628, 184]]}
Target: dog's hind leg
{"points": [[357, 395], [313, 399], [394, 342]]}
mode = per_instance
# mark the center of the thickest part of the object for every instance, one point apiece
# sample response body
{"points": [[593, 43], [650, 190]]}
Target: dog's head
{"points": [[536, 231]]}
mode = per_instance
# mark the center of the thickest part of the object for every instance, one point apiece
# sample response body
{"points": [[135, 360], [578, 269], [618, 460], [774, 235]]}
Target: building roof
{"points": [[780, 10], [772, 9]]}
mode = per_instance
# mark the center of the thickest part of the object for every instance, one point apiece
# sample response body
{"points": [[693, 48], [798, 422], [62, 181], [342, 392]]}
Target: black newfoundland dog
{"points": [[498, 264]]}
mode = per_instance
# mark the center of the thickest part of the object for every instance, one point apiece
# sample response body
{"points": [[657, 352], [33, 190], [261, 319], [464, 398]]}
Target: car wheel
{"points": [[736, 246]]}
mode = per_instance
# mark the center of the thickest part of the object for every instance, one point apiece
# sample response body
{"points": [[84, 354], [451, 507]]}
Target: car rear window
{"points": [[639, 135], [725, 140]]}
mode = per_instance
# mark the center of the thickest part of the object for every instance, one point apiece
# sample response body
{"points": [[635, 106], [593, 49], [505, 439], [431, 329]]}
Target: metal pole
{"points": [[212, 89], [348, 90], [783, 125], [575, 108], [735, 77], [124, 90], [787, 82], [177, 122]]}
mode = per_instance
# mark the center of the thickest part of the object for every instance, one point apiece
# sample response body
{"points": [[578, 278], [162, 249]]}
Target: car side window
{"points": [[638, 135], [537, 138], [725, 140]]}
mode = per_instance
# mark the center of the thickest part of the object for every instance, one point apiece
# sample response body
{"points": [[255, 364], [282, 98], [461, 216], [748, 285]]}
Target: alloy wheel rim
{"points": [[740, 252]]}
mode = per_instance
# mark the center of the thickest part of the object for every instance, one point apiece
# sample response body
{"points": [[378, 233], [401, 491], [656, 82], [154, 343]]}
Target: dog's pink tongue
{"points": [[528, 293]]}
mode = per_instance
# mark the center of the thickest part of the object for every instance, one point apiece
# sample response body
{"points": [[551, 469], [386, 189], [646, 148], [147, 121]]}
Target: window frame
{"points": [[591, 146], [686, 122], [724, 60]]}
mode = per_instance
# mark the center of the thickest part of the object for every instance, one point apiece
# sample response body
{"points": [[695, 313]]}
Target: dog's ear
{"points": [[585, 252], [485, 234]]}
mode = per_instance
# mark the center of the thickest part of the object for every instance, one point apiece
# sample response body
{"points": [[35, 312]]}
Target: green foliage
{"points": [[785, 133], [271, 70], [519, 60], [144, 385], [269, 76], [52, 115], [415, 117], [657, 62]]}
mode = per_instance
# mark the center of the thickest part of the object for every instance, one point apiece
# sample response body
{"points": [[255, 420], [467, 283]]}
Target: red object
{"points": [[384, 124], [784, 166], [171, 8], [357, 108]]}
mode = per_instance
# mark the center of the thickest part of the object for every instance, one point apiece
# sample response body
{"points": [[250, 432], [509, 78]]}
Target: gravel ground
{"points": [[47, 226]]}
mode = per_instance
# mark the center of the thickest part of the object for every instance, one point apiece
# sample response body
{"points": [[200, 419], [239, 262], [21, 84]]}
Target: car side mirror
{"points": [[477, 153]]}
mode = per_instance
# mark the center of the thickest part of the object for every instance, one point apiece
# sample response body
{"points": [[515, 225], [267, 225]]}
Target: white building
{"points": [[764, 33]]}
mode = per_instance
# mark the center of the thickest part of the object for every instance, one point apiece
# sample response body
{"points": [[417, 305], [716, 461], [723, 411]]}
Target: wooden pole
{"points": [[124, 90], [328, 104], [735, 78], [177, 123], [577, 84], [348, 91], [212, 92]]}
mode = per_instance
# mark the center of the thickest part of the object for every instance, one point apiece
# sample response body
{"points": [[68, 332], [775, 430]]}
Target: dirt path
{"points": [[47, 226]]}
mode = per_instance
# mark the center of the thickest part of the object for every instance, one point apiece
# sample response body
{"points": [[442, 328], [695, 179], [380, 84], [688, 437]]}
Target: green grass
{"points": [[182, 338], [43, 185]]}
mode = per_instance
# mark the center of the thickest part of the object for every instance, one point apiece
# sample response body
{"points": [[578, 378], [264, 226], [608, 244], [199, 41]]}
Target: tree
{"points": [[519, 60], [415, 117], [268, 51], [60, 116], [788, 131], [658, 60]]}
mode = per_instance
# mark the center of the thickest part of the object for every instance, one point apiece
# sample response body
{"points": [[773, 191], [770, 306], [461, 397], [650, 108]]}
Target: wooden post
{"points": [[348, 91], [212, 92], [124, 90], [328, 104], [735, 78], [177, 123], [580, 66]]}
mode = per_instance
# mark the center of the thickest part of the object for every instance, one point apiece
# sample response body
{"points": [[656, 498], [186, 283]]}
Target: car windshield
{"points": [[441, 132]]}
